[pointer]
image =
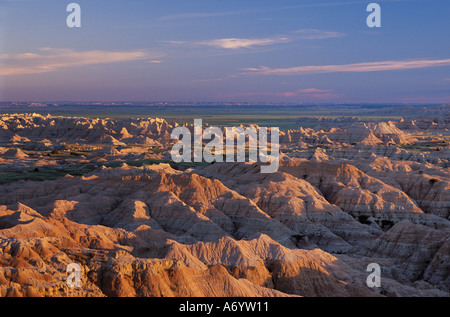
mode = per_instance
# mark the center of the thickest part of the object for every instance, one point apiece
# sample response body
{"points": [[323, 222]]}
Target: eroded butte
{"points": [[103, 193]]}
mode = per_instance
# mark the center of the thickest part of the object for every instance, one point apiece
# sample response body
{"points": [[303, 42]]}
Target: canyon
{"points": [[104, 193]]}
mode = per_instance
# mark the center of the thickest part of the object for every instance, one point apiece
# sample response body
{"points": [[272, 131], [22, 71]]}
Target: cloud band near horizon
{"points": [[50, 60], [348, 68]]}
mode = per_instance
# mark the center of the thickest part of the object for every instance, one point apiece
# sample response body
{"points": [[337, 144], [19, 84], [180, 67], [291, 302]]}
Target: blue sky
{"points": [[302, 51]]}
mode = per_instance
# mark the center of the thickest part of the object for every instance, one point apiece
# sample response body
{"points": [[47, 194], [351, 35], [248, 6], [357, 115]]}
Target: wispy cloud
{"points": [[173, 42], [237, 43], [308, 93], [50, 60], [314, 34], [348, 68], [199, 15], [242, 43]]}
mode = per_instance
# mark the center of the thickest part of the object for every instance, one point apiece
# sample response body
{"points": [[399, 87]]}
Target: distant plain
{"points": [[282, 116]]}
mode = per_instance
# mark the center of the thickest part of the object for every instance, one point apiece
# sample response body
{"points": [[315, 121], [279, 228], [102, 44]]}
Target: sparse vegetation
{"points": [[262, 217], [44, 174], [425, 146]]}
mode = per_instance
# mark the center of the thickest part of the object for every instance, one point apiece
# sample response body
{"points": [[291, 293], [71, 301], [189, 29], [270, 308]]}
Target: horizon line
{"points": [[122, 102]]}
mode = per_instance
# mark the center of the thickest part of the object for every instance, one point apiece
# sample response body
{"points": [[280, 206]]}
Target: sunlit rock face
{"points": [[103, 193]]}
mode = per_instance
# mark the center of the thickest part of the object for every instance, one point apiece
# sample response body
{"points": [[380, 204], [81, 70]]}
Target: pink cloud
{"points": [[50, 60], [312, 90], [357, 67], [238, 43]]}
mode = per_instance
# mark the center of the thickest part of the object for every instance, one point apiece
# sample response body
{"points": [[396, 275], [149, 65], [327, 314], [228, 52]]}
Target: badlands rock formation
{"points": [[103, 193]]}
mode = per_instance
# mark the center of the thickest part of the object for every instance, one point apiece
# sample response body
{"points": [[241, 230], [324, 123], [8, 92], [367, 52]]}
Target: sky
{"points": [[275, 51]]}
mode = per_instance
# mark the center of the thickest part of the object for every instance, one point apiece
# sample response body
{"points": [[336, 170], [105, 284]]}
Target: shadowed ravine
{"points": [[223, 229]]}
